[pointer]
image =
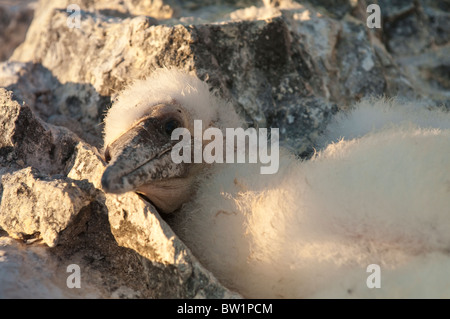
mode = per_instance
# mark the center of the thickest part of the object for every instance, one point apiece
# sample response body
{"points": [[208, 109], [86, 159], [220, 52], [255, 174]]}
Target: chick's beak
{"points": [[140, 156]]}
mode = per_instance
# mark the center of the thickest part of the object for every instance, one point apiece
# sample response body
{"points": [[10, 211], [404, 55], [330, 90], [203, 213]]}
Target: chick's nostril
{"points": [[107, 155]]}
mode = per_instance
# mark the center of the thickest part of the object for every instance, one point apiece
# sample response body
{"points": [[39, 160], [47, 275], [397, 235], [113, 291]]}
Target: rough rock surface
{"points": [[284, 64], [15, 18], [66, 211]]}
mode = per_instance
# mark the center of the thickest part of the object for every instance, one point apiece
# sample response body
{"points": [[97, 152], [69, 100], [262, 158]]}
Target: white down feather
{"points": [[379, 195]]}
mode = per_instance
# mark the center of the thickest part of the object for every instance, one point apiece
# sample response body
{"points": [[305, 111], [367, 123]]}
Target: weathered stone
{"points": [[15, 18], [137, 225], [28, 141], [30, 271], [429, 74], [77, 107], [32, 205], [69, 213], [414, 27]]}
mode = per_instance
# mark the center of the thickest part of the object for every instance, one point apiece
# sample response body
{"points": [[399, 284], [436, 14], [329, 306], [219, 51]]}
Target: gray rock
{"points": [[55, 199], [31, 271], [15, 18], [26, 209], [137, 225], [28, 141]]}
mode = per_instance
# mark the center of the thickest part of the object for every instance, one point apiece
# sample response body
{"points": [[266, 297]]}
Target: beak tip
{"points": [[107, 184], [113, 183]]}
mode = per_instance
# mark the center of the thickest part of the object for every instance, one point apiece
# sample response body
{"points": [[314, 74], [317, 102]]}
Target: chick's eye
{"points": [[170, 126]]}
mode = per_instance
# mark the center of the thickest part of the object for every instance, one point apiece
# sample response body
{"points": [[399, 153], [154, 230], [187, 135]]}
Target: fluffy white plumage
{"points": [[312, 229], [166, 86], [379, 193], [371, 115]]}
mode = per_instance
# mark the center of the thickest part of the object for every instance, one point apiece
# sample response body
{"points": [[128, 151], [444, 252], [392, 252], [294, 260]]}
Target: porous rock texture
{"points": [[285, 64]]}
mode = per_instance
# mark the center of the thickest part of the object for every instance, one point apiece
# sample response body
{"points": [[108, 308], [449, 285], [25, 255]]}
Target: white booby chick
{"points": [[380, 196], [137, 135]]}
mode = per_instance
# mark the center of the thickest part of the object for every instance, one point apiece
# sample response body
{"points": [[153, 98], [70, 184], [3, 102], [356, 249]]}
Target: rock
{"points": [[57, 201], [15, 18], [417, 36], [28, 141], [277, 63], [138, 226], [75, 106], [172, 271], [30, 271], [284, 64], [27, 210]]}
